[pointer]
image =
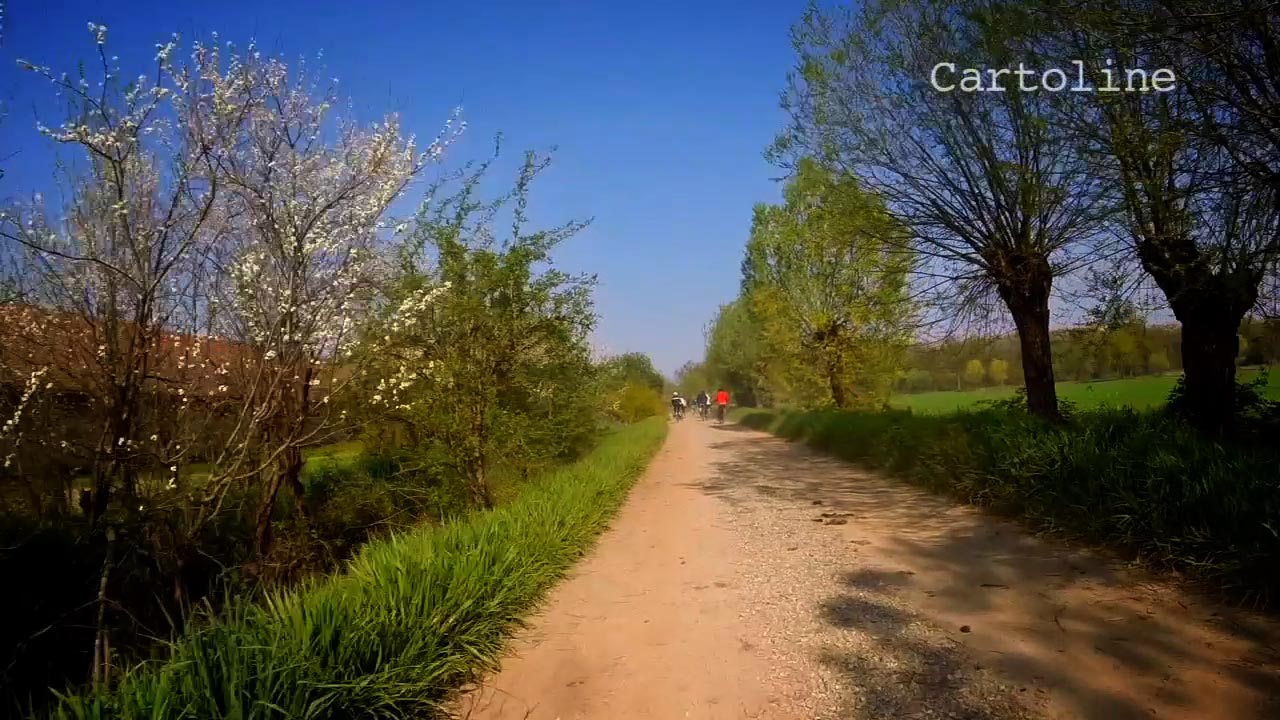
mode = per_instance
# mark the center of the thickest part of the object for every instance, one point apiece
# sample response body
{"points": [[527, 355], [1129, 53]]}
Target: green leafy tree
{"points": [[735, 359], [917, 380], [1263, 345], [995, 200], [692, 378], [998, 371], [1126, 351], [637, 402], [826, 273], [634, 368], [1158, 362], [487, 356], [974, 372], [633, 387]]}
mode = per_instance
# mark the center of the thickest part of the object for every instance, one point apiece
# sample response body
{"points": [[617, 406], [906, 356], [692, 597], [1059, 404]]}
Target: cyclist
{"points": [[677, 405], [703, 403], [722, 403]]}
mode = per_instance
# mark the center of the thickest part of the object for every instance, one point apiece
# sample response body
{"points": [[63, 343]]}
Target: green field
{"points": [[1139, 392]]}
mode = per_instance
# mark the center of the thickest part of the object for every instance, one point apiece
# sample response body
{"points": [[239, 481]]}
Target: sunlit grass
{"points": [[1139, 392], [410, 619], [196, 473], [341, 451]]}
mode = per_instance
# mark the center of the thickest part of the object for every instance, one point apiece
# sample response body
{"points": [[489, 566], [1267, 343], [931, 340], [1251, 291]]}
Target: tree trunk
{"points": [[101, 643], [119, 465], [475, 454], [837, 391], [1029, 305], [828, 356], [480, 494], [262, 528], [291, 463], [1210, 344], [179, 588], [288, 474], [834, 379]]}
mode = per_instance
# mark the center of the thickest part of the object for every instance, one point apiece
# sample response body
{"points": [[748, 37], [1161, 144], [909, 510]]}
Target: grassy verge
{"points": [[1139, 482], [410, 619]]}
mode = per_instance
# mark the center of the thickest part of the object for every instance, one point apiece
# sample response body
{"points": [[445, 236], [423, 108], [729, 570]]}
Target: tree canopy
{"points": [[823, 317]]}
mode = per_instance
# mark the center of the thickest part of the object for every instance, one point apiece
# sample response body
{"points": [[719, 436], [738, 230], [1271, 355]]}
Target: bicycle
{"points": [[704, 411], [720, 413], [677, 413]]}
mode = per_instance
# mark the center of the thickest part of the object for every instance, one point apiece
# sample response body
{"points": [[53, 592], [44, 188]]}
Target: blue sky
{"points": [[659, 110]]}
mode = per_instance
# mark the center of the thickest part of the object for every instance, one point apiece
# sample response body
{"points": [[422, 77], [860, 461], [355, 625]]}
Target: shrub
{"points": [[1257, 419], [353, 496], [1142, 482], [636, 402], [974, 372], [413, 616]]}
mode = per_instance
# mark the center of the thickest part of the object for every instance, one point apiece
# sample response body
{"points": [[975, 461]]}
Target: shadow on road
{"points": [[730, 427], [1101, 641], [902, 672]]}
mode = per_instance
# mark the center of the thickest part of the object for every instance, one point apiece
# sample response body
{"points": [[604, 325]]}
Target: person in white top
{"points": [[677, 405]]}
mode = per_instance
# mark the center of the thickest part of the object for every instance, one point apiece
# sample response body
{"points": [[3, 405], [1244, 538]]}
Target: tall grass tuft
{"points": [[1141, 482], [411, 618]]}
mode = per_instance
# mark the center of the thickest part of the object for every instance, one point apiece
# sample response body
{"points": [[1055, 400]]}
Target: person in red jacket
{"points": [[722, 402]]}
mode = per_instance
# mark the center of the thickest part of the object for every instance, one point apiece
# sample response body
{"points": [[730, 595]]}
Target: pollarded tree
{"points": [[827, 273], [993, 199], [1196, 168]]}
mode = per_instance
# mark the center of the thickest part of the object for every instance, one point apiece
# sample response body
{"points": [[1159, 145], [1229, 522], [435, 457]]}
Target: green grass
{"points": [[410, 619], [342, 453], [1141, 482], [1140, 392]]}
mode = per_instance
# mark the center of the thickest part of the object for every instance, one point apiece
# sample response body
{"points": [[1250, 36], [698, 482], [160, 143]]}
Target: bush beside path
{"points": [[411, 619]]}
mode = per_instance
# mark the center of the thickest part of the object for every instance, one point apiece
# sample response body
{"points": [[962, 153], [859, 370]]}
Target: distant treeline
{"points": [[1080, 353]]}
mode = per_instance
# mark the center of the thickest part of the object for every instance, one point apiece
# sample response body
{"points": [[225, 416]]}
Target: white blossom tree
{"points": [[111, 276], [307, 196], [111, 270], [201, 292]]}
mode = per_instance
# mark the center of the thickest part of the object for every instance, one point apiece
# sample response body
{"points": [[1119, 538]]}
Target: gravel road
{"points": [[747, 577]]}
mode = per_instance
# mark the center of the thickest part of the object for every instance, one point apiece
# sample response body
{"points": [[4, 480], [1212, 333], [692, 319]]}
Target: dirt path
{"points": [[750, 578]]}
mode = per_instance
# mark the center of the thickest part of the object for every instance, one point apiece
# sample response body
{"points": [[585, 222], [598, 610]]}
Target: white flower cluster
{"points": [[99, 33], [414, 306], [306, 253], [33, 384], [11, 425], [391, 390], [224, 177]]}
